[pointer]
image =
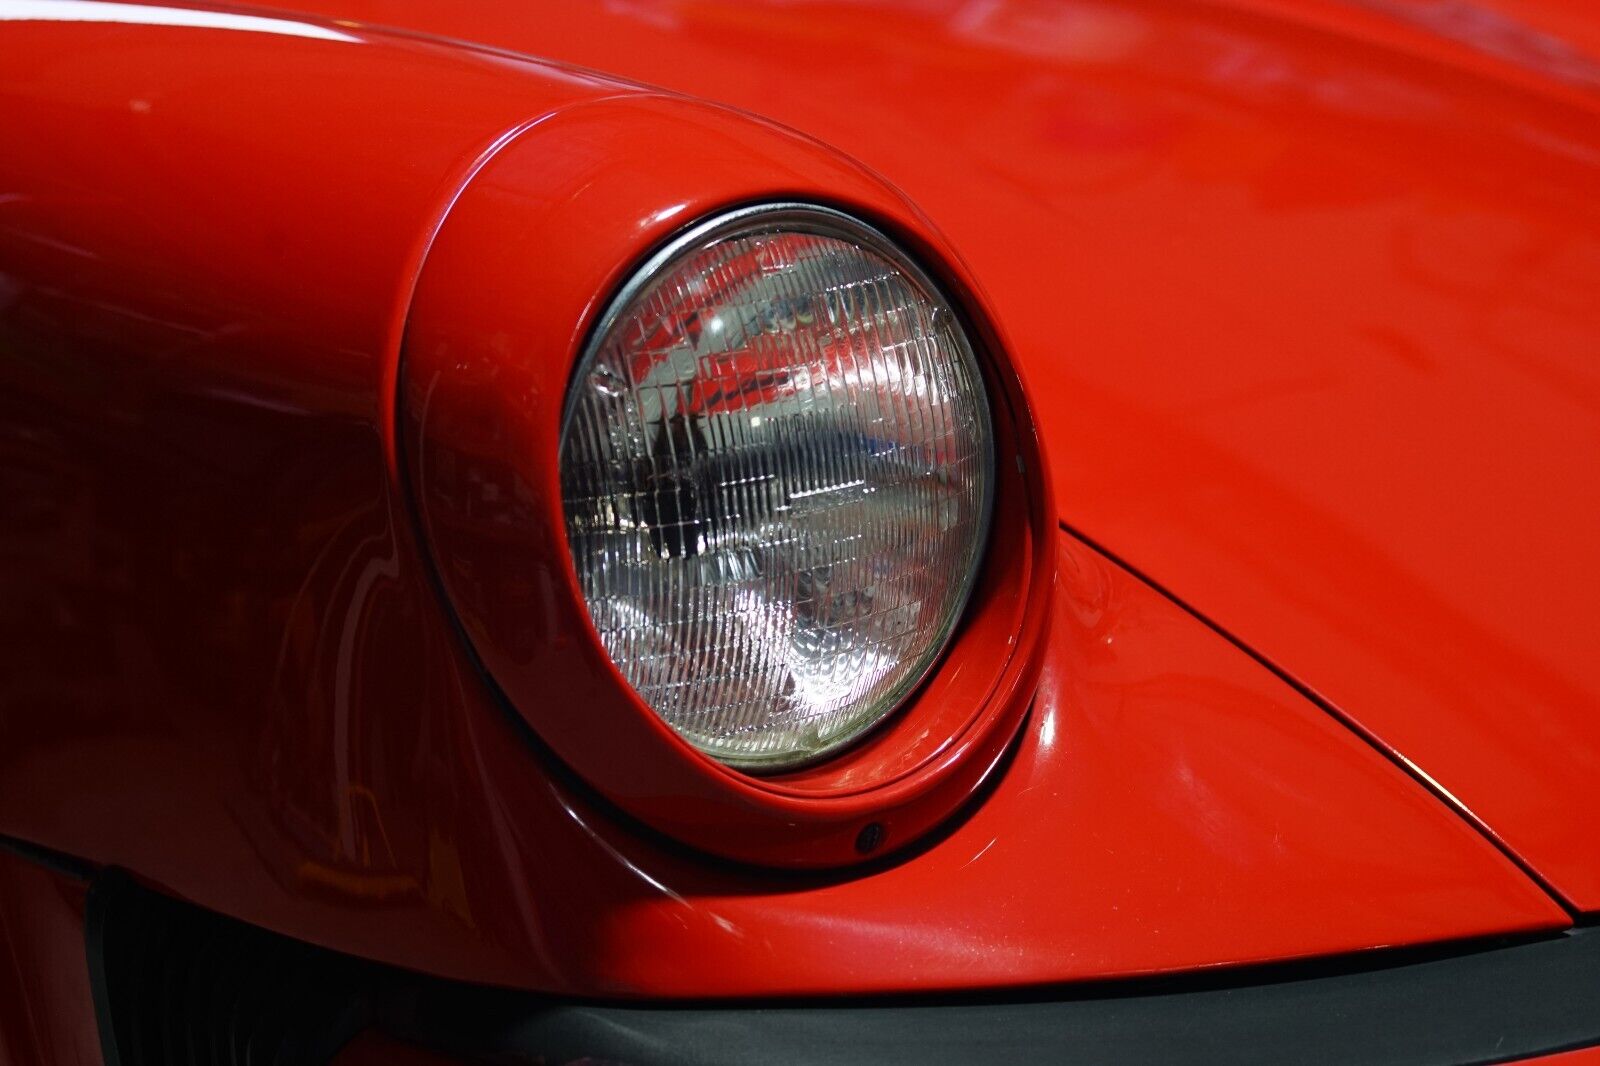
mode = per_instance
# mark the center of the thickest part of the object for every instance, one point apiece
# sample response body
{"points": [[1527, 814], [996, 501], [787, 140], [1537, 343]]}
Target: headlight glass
{"points": [[777, 467]]}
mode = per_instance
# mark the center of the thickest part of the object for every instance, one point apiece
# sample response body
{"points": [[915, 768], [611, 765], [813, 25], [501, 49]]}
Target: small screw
{"points": [[869, 838]]}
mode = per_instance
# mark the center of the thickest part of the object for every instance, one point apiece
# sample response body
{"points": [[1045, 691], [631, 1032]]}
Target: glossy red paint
{"points": [[225, 668], [1310, 289], [486, 372], [46, 1008], [1090, 857]]}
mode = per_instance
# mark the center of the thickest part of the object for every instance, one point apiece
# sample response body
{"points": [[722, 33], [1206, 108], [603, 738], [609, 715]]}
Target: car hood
{"points": [[1308, 300]]}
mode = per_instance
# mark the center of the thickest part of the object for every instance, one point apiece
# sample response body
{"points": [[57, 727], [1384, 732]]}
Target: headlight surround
{"points": [[777, 474], [513, 286]]}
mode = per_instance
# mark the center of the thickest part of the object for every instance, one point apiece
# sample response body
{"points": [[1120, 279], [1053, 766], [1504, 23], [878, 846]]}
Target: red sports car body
{"points": [[1269, 729]]}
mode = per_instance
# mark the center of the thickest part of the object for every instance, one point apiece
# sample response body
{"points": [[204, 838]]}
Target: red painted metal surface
{"points": [[46, 1007], [1170, 799], [1310, 289], [485, 375], [225, 668]]}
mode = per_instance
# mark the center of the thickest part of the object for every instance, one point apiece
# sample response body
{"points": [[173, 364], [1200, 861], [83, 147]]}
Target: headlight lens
{"points": [[777, 467]]}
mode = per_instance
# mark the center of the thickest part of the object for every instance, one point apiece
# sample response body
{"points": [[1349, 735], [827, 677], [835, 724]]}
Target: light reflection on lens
{"points": [[776, 473]]}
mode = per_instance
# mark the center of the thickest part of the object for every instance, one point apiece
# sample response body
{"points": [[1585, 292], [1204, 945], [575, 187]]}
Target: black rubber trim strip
{"points": [[1490, 1005], [1485, 1001], [177, 985], [94, 940], [1373, 740], [52, 860]]}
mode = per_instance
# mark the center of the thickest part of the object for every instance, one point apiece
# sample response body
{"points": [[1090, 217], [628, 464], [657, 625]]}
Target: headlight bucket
{"points": [[514, 287]]}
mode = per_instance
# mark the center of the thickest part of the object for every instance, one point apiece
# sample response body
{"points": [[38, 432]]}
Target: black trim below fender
{"points": [[1494, 1004], [48, 858], [175, 985], [160, 967]]}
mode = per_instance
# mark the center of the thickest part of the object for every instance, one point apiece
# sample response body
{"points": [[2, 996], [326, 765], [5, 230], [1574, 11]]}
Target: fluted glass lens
{"points": [[776, 472]]}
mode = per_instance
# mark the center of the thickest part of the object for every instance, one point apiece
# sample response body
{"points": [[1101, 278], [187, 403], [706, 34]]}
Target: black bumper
{"points": [[169, 977], [1488, 1003]]}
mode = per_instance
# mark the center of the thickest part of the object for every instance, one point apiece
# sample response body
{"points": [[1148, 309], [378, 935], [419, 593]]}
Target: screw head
{"points": [[870, 837]]}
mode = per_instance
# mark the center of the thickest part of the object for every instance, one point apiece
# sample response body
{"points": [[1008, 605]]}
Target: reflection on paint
{"points": [[146, 15]]}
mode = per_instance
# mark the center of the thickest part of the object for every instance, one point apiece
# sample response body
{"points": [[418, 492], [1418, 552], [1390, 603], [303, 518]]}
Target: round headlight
{"points": [[776, 474]]}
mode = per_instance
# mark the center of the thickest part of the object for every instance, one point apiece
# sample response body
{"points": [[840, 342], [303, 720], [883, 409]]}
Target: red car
{"points": [[667, 531]]}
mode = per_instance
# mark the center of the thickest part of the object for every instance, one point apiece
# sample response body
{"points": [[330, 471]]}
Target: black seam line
{"points": [[49, 858], [1372, 739], [105, 885]]}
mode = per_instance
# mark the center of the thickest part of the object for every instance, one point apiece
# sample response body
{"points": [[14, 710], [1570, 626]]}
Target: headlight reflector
{"points": [[776, 475]]}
